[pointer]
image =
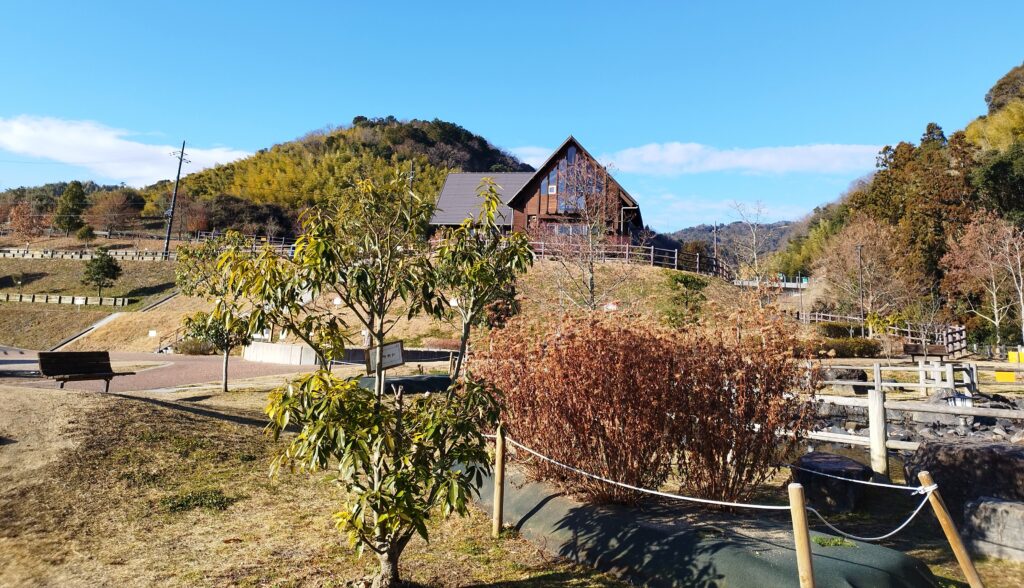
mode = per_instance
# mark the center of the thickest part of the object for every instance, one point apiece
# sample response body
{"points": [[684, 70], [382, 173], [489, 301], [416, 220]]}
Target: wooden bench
{"points": [[73, 366], [915, 350]]}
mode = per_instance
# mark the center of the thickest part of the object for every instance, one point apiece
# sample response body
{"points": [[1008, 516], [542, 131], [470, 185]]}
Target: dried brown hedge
{"points": [[595, 393], [623, 399]]}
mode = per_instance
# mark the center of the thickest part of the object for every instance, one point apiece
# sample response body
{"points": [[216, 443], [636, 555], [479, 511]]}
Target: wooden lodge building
{"points": [[551, 198]]}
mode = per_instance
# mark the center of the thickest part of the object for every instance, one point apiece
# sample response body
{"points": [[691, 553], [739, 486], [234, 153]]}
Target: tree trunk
{"points": [[463, 348], [387, 576], [378, 372], [224, 379]]}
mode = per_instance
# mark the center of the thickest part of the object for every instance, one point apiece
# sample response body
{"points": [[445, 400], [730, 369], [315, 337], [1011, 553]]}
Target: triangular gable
{"points": [[544, 169]]}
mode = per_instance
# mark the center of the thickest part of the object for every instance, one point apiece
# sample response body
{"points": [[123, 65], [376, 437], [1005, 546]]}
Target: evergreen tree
{"points": [[101, 271], [70, 206]]}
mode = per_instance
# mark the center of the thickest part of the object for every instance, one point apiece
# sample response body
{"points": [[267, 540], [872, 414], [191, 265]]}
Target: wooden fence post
{"points": [[877, 426], [962, 557], [801, 535], [499, 482], [950, 378], [698, 263]]}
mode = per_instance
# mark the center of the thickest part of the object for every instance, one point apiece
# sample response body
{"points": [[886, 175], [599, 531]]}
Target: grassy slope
{"points": [[121, 509], [41, 326], [140, 279], [130, 330], [647, 291]]}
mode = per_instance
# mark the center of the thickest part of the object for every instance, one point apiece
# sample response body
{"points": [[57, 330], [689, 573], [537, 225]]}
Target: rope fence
{"points": [[928, 490]]}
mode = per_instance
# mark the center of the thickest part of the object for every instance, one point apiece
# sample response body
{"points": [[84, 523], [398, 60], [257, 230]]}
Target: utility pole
{"points": [[174, 201], [860, 272], [716, 242]]}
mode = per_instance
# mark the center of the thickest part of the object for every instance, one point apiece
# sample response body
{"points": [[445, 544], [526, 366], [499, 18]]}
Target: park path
{"points": [[156, 371]]}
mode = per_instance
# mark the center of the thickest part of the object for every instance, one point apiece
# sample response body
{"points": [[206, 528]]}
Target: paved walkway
{"points": [[173, 370]]}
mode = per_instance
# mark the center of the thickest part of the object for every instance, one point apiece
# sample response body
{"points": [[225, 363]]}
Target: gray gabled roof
{"points": [[459, 200]]}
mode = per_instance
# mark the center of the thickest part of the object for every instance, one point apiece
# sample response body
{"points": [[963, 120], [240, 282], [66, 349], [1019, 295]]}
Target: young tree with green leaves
{"points": [[476, 265], [101, 271], [198, 273], [206, 327], [399, 459], [67, 216]]}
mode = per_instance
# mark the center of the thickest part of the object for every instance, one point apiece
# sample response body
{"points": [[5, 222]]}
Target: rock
{"points": [[939, 397], [899, 433], [852, 426], [829, 493], [893, 385], [966, 470], [848, 375], [999, 431], [995, 528], [927, 433], [1018, 437]]}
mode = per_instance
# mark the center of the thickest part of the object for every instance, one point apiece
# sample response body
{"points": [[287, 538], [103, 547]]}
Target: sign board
{"points": [[391, 356]]}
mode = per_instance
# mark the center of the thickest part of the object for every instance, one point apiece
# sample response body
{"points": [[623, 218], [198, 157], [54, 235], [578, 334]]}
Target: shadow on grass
{"points": [[206, 412], [143, 291], [11, 281]]}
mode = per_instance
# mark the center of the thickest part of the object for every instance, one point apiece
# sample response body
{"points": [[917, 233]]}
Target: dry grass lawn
{"points": [[129, 331], [140, 279], [41, 326], [108, 490]]}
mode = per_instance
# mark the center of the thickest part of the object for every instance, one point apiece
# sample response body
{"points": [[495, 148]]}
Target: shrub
{"points": [[845, 347], [740, 393], [86, 234], [195, 347], [837, 330], [595, 394], [623, 400]]}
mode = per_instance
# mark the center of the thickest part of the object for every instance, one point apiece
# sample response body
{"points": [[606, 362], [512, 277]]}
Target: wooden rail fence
{"points": [[637, 254], [877, 440]]}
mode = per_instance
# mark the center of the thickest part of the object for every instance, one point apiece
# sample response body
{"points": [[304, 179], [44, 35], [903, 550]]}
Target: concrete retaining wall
{"points": [[63, 299], [285, 353], [122, 255]]}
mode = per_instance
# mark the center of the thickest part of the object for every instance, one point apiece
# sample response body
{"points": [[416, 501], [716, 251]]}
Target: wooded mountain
{"points": [[273, 185], [734, 237]]}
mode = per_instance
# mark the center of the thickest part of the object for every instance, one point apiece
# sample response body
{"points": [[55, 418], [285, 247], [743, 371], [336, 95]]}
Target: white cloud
{"points": [[532, 155], [691, 158], [103, 150]]}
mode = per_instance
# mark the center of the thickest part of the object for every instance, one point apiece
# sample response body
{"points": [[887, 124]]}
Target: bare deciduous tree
{"points": [[586, 240], [1011, 256], [753, 247], [976, 274], [876, 276]]}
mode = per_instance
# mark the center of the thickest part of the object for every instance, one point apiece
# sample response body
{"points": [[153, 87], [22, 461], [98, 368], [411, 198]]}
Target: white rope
{"points": [[645, 490], [925, 490], [912, 489], [927, 493]]}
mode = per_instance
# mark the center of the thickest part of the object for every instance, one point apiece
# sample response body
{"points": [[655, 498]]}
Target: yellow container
{"points": [[1005, 376], [1013, 357]]}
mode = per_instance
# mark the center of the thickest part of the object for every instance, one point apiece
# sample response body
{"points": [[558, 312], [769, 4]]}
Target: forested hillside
{"points": [[934, 229], [736, 240], [265, 192]]}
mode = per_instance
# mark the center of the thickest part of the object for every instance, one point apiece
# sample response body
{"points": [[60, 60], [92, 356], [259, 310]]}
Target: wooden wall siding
{"points": [[545, 207]]}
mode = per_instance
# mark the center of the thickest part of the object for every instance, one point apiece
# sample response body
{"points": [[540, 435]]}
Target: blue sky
{"points": [[696, 104]]}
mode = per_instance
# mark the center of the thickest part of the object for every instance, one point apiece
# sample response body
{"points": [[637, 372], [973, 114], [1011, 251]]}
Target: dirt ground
{"points": [[172, 489]]}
